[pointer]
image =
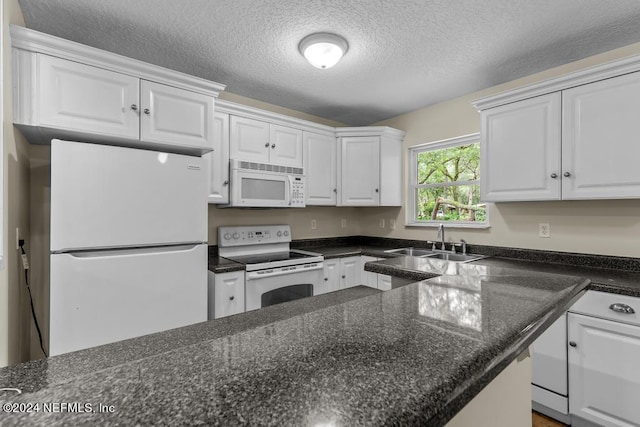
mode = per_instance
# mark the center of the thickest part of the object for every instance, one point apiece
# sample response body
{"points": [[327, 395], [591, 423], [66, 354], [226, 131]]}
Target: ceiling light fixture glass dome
{"points": [[323, 50]]}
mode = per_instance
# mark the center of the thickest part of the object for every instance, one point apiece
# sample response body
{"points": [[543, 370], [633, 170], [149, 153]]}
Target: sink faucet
{"points": [[441, 235]]}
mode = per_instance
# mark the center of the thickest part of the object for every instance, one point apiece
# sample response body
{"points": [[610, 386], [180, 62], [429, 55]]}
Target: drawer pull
{"points": [[232, 298], [573, 344], [621, 308]]}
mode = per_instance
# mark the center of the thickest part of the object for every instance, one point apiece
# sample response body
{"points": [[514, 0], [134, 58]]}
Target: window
{"points": [[444, 184]]}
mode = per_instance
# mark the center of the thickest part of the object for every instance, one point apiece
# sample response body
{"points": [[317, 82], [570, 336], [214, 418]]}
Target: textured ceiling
{"points": [[403, 54]]}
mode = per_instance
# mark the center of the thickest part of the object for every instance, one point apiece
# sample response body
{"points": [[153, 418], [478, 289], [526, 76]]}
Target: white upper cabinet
{"points": [[320, 167], [286, 145], [249, 139], [360, 171], [172, 115], [344, 166], [601, 139], [369, 166], [217, 161], [574, 137], [75, 96], [262, 142], [520, 150], [67, 90]]}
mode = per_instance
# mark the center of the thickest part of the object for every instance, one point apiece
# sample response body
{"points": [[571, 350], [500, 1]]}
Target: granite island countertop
{"points": [[403, 357]]}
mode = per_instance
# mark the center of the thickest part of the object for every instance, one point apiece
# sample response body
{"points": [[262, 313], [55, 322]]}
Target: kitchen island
{"points": [[414, 355]]}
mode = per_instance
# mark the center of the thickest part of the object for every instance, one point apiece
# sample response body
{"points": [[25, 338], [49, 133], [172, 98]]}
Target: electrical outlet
{"points": [[343, 222], [314, 224], [544, 230], [381, 222], [392, 224]]}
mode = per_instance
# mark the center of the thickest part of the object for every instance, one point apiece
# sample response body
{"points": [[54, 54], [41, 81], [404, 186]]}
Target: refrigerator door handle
{"points": [[132, 251]]}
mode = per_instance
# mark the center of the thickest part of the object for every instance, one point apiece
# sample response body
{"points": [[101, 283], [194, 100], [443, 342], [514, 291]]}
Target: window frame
{"points": [[413, 186]]}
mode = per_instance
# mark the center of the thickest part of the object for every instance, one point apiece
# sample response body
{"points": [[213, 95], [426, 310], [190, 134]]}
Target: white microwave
{"points": [[261, 185]]}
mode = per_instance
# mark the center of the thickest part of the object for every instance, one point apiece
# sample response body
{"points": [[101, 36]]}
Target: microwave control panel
{"points": [[297, 191]]}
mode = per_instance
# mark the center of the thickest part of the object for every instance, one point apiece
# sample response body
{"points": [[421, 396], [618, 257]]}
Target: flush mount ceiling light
{"points": [[323, 50]]}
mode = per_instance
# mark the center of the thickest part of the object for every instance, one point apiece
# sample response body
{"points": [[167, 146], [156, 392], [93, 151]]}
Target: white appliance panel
{"points": [[106, 296], [108, 197]]}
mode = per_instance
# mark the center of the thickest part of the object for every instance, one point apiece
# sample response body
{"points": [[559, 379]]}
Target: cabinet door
{"points": [[359, 171], [320, 163], [600, 144], [176, 116], [331, 275], [228, 297], [604, 378], [520, 150], [249, 139], [368, 278], [79, 97], [384, 282], [286, 146], [349, 272], [217, 161]]}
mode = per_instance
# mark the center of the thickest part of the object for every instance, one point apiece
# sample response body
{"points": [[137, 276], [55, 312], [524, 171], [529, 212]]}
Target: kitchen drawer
{"points": [[597, 304]]}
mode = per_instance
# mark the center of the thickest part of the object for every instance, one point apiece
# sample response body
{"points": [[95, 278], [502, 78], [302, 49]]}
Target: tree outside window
{"points": [[445, 183]]}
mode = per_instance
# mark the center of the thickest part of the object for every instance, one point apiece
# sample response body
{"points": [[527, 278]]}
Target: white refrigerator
{"points": [[128, 243]]}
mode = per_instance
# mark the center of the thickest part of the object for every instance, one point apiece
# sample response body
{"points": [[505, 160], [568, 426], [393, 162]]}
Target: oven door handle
{"points": [[255, 275]]}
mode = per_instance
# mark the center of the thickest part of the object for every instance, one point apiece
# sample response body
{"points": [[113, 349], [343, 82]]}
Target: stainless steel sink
{"points": [[411, 252], [424, 253]]}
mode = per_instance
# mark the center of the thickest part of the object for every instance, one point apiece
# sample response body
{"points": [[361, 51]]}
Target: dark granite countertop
{"points": [[415, 268], [402, 357]]}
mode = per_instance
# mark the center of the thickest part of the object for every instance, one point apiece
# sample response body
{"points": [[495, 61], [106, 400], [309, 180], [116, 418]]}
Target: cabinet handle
{"points": [[266, 145], [377, 191], [226, 182], [147, 111], [567, 174], [343, 276], [273, 145], [134, 107], [554, 175], [326, 279], [618, 307], [335, 190], [573, 344], [231, 298]]}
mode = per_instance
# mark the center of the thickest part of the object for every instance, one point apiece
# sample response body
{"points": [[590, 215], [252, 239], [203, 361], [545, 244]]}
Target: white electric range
{"points": [[275, 273]]}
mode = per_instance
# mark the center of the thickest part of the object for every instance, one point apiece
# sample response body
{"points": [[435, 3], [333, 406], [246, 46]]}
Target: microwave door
{"points": [[262, 190]]}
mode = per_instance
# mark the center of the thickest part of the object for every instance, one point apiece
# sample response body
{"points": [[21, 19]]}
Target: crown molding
{"points": [[37, 42], [383, 131], [592, 74], [223, 106]]}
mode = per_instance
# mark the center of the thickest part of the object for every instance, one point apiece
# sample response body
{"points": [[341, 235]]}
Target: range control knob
{"points": [[236, 235], [279, 233], [286, 233], [227, 236]]}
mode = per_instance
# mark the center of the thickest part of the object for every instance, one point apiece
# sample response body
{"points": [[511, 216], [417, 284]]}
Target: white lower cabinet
{"points": [[341, 273], [371, 279], [604, 371], [226, 294]]}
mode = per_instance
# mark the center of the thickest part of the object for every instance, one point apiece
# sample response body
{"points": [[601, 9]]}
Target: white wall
{"points": [[607, 227], [14, 304]]}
